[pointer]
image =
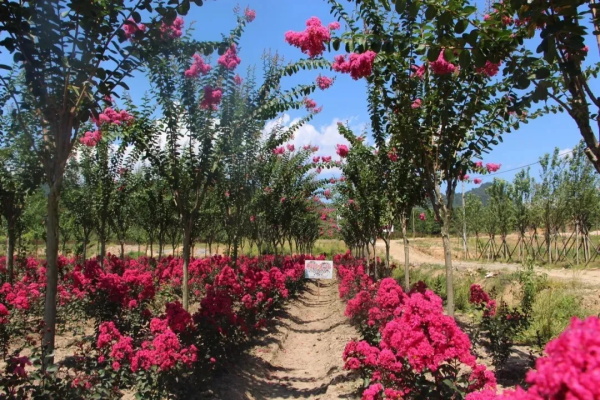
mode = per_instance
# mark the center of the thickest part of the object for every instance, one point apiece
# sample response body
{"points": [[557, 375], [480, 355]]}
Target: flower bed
{"points": [[144, 340]]}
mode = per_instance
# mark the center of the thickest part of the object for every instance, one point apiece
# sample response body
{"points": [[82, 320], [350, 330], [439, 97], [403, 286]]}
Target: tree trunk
{"points": [[448, 263], [187, 238], [464, 227], [122, 250], [406, 256], [10, 252], [52, 224]]}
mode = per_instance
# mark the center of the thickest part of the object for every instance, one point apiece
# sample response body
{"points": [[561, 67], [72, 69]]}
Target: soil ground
{"points": [[301, 356], [588, 277]]}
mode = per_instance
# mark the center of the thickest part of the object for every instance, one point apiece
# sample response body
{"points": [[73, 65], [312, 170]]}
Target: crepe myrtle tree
{"points": [[202, 113], [560, 68], [20, 177], [440, 80], [73, 54], [285, 186], [366, 180]]}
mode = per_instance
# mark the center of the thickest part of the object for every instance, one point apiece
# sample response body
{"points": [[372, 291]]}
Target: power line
{"points": [[523, 166]]}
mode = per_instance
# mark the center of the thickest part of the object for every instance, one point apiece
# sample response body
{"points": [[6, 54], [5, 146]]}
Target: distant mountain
{"points": [[478, 191]]}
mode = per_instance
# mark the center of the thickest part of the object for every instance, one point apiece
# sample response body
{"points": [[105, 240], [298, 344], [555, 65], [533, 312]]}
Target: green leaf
{"points": [[431, 12], [400, 6], [336, 44], [461, 26]]}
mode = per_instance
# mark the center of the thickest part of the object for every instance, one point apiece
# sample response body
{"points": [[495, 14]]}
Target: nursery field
{"points": [[172, 171]]}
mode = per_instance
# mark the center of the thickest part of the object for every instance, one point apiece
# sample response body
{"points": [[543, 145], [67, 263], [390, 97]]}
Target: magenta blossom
{"points": [[342, 150], [492, 167], [230, 59], [357, 65], [312, 40], [197, 68], [249, 14], [212, 98], [324, 82], [441, 66]]}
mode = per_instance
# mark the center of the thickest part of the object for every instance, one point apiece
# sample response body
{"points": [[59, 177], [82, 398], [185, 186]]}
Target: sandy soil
{"points": [[300, 359], [588, 277]]}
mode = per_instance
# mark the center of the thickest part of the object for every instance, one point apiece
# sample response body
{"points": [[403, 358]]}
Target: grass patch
{"points": [[551, 312]]}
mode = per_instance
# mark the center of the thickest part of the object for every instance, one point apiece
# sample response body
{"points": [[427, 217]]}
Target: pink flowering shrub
{"points": [[416, 351], [492, 167], [570, 369], [342, 150], [498, 325]]}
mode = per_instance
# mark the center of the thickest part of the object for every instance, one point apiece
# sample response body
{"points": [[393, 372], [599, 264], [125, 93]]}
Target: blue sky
{"points": [[345, 100]]}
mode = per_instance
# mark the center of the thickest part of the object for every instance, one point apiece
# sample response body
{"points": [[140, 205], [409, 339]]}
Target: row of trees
{"points": [[438, 101], [190, 161], [552, 216]]}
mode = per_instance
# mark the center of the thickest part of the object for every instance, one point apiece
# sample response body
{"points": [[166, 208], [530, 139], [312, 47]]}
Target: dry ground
{"points": [[300, 359]]}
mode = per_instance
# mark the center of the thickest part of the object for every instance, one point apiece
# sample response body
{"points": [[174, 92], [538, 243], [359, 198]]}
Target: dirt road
{"points": [[300, 359], [590, 277]]}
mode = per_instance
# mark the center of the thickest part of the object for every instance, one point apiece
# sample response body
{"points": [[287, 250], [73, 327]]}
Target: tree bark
{"points": [[10, 252], [52, 224], [448, 263], [406, 256], [187, 238]]}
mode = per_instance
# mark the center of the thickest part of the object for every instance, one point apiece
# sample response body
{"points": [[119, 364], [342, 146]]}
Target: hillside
{"points": [[478, 191]]}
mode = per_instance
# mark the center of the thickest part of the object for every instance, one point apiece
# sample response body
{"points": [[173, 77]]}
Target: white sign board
{"points": [[318, 269]]}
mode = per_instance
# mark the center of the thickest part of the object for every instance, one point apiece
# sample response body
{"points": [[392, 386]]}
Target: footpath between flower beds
{"points": [[300, 357]]}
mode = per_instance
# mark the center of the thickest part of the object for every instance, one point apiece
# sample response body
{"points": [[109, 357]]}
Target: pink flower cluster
{"points": [[110, 116], [310, 104], [441, 66], [357, 65], [418, 71], [479, 297], [342, 150], [312, 40], [492, 167], [412, 340], [212, 98], [91, 138], [570, 369], [198, 67], [416, 104], [131, 28], [174, 30], [324, 82], [230, 59], [162, 348], [249, 14], [490, 69]]}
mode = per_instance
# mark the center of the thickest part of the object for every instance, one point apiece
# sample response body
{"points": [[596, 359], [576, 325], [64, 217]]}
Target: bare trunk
{"points": [[464, 227], [187, 236], [448, 263], [10, 251], [406, 256], [52, 224]]}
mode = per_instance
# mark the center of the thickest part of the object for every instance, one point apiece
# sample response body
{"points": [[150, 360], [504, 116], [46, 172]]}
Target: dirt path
{"points": [[300, 359], [590, 277]]}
